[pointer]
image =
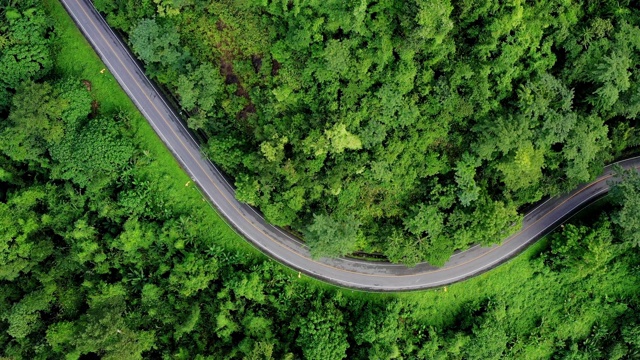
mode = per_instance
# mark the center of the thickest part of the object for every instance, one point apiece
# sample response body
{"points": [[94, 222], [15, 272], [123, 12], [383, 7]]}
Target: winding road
{"points": [[276, 243]]}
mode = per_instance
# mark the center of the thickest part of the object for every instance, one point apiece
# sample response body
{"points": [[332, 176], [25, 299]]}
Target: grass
{"points": [[435, 307], [439, 307], [76, 58]]}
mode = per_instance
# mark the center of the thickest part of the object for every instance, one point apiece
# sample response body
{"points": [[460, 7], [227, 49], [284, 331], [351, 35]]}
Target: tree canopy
{"points": [[359, 111], [107, 251]]}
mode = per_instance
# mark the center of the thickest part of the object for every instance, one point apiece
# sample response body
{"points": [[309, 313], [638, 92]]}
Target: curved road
{"points": [[350, 273]]}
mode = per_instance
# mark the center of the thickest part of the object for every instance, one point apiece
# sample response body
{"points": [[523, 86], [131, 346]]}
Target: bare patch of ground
{"points": [[275, 67], [86, 84]]}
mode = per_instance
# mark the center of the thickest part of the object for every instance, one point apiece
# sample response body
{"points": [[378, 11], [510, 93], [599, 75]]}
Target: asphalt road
{"points": [[277, 244]]}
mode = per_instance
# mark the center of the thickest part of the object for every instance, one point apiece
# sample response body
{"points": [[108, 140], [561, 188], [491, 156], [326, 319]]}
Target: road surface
{"points": [[277, 244]]}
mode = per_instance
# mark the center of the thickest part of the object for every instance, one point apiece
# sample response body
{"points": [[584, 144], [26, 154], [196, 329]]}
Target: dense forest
{"points": [[102, 255], [412, 128]]}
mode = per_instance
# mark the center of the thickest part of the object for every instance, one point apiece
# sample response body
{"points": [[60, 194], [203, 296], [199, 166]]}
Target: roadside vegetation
{"points": [[409, 128], [107, 252]]}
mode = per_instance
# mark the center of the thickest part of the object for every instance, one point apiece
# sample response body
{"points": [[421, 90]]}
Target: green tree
{"points": [[322, 334], [469, 191], [92, 155], [626, 195], [202, 89], [24, 316], [23, 242], [582, 251], [330, 237], [104, 329], [586, 149], [159, 45], [25, 52], [525, 169], [380, 329], [30, 129], [614, 75]]}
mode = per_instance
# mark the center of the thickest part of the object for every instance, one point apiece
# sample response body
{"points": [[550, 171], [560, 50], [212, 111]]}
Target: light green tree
{"points": [[626, 195], [328, 236]]}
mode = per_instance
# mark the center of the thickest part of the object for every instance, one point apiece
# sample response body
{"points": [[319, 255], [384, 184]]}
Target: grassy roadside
{"points": [[76, 58], [439, 307]]}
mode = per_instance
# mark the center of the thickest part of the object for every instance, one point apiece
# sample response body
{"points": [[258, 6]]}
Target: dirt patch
{"points": [[256, 61], [86, 84], [275, 67], [249, 109], [226, 69], [220, 25], [94, 109], [240, 91], [231, 79]]}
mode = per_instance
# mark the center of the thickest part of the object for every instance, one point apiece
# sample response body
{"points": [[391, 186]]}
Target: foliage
{"points": [[158, 44], [130, 264], [25, 51], [331, 238], [626, 196], [362, 110], [31, 129]]}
